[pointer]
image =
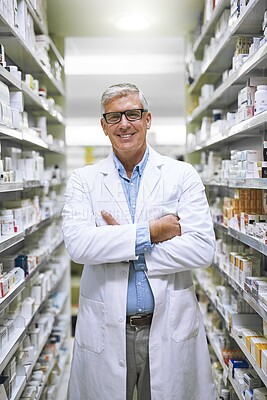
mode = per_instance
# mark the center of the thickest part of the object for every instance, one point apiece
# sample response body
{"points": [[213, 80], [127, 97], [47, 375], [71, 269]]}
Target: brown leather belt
{"points": [[139, 320]]}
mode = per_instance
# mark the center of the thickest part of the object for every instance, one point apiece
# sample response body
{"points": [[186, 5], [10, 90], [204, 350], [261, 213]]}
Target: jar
{"points": [[7, 222], [260, 99]]}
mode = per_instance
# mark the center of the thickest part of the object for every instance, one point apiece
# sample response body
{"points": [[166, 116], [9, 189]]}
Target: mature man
{"points": [[140, 223]]}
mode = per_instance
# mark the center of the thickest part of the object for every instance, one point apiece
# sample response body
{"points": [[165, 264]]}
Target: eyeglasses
{"points": [[131, 115]]}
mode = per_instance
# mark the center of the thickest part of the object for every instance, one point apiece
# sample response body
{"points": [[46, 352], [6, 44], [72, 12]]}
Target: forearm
{"points": [[97, 245], [186, 252]]}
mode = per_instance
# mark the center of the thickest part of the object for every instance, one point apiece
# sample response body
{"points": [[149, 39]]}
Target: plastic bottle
{"points": [[260, 99]]}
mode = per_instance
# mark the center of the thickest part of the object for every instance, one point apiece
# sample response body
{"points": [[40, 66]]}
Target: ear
{"points": [[148, 120], [103, 124]]}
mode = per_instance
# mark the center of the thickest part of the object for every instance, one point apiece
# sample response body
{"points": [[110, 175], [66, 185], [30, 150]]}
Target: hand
{"points": [[164, 228], [108, 218], [161, 229]]}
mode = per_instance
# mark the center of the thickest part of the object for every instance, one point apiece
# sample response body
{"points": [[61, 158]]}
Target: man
{"points": [[140, 223]]}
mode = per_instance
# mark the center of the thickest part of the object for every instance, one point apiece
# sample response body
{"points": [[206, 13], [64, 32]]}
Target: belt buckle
{"points": [[132, 318]]}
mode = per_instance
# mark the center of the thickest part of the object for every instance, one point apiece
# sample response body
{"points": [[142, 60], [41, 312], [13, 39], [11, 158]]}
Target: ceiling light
{"points": [[132, 22]]}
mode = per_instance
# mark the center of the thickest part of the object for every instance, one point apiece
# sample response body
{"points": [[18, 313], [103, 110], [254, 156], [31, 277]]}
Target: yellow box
{"points": [[248, 334], [253, 345], [258, 351]]}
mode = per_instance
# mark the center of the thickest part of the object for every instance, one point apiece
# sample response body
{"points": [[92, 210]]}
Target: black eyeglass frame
{"points": [[124, 113]]}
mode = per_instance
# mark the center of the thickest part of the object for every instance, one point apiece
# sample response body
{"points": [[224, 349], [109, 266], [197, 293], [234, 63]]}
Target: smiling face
{"points": [[128, 138]]}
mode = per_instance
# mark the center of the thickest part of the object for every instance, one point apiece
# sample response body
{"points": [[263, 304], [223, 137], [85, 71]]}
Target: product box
{"points": [[260, 169], [236, 364], [16, 101], [264, 361], [246, 96], [251, 380], [4, 285], [256, 345]]}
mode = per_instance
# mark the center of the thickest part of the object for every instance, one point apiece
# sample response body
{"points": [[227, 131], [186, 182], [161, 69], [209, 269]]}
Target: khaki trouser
{"points": [[137, 362]]}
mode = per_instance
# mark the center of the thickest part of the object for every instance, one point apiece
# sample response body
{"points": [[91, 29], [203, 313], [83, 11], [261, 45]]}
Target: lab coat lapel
{"points": [[149, 181], [113, 184]]}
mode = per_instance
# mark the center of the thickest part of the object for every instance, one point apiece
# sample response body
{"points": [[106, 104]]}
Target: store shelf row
{"points": [[247, 23], [41, 28], [10, 348], [20, 186], [32, 101], [255, 125], [257, 307], [250, 241], [20, 286], [255, 183], [227, 92], [205, 285], [208, 29], [28, 139], [249, 357], [6, 242], [21, 380], [23, 56]]}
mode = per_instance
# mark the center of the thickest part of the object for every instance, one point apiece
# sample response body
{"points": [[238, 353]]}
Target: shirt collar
{"points": [[139, 167]]}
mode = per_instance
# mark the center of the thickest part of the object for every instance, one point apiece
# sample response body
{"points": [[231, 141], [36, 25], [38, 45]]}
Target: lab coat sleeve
{"points": [[195, 247], [87, 243]]}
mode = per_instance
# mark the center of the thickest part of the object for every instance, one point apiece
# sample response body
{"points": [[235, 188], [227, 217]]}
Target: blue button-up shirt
{"points": [[139, 297]]}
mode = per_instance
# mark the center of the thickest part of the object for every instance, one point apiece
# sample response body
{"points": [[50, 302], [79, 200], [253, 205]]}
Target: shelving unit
{"points": [[247, 134], [42, 237]]}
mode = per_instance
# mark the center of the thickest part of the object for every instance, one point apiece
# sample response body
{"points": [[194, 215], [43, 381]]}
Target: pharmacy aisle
{"points": [[226, 140], [34, 267]]}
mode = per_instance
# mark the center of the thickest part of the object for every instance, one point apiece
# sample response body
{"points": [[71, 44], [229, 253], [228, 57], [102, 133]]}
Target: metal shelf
{"points": [[8, 79], [248, 240], [9, 241], [253, 125], [35, 104], [11, 187]]}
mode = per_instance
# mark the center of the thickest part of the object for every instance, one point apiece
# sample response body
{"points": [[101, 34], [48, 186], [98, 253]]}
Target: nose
{"points": [[124, 121]]}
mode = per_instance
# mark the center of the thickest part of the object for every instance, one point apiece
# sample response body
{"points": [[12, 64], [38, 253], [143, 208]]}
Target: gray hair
{"points": [[120, 90]]}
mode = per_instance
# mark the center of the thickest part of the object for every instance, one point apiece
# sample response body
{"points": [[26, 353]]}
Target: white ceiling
{"points": [[97, 54]]}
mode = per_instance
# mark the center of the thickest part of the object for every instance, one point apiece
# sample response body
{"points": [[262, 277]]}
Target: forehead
{"points": [[122, 103]]}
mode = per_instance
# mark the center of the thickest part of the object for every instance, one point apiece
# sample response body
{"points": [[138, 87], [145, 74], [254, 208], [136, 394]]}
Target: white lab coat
{"points": [[179, 359]]}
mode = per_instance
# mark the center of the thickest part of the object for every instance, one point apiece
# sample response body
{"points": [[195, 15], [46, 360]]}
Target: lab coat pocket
{"points": [[91, 325], [184, 314]]}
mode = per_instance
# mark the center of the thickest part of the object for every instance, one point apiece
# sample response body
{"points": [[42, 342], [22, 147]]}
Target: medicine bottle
{"points": [[260, 99], [225, 394]]}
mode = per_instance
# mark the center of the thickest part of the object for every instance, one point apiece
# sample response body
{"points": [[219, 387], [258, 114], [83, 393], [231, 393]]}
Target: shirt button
{"points": [[122, 363], [142, 266], [139, 283], [132, 184], [145, 248], [133, 206]]}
